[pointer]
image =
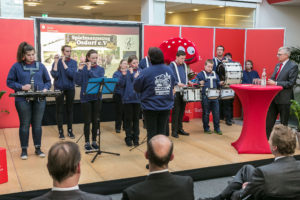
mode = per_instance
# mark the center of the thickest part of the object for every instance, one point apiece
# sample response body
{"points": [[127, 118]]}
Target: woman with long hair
{"points": [[29, 75]]}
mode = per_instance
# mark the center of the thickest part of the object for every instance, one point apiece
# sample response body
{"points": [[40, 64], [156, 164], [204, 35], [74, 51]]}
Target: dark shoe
{"points": [[70, 134], [175, 135], [118, 131], [95, 145], [136, 143], [61, 134], [208, 131], [87, 147], [39, 153], [219, 132], [182, 132], [24, 155], [128, 142], [229, 123]]}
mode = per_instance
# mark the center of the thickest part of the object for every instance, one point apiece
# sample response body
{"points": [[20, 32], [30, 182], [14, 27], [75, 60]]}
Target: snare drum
{"points": [[227, 93], [212, 93], [191, 94], [230, 73]]}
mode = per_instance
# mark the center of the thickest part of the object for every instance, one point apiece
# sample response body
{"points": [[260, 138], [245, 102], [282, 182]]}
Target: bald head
{"points": [[160, 149]]}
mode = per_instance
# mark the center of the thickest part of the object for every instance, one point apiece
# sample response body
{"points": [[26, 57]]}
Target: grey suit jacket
{"points": [[71, 195], [161, 186], [280, 179], [287, 79]]}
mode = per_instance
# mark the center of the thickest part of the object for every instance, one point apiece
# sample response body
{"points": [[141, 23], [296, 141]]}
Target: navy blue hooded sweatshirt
{"points": [[128, 93], [156, 85]]}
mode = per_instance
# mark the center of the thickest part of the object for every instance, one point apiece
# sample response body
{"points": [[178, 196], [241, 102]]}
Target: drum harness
{"points": [[177, 89]]}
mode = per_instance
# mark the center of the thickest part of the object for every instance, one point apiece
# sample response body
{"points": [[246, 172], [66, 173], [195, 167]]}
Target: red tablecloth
{"points": [[255, 101], [3, 166]]}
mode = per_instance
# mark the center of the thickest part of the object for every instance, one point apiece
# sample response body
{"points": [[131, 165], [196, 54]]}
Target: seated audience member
{"points": [[64, 167], [278, 180], [249, 74], [160, 184]]}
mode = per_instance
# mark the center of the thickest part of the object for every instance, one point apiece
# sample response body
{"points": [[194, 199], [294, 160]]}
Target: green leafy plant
{"points": [[295, 54], [2, 92], [295, 109]]}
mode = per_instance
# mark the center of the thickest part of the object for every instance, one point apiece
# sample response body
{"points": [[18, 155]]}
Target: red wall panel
{"points": [[155, 35], [13, 32], [234, 42], [203, 39], [262, 47]]}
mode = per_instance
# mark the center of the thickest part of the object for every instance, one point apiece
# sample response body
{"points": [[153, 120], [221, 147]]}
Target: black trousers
{"points": [[233, 189], [91, 113], [226, 109], [274, 110], [156, 122], [119, 111], [177, 113], [132, 116], [69, 94]]}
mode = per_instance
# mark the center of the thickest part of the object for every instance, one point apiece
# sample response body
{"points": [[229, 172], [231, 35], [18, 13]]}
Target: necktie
{"points": [[278, 71]]}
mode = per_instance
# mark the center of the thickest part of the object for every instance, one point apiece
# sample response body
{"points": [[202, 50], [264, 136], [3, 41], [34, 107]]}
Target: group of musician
{"points": [[150, 87]]}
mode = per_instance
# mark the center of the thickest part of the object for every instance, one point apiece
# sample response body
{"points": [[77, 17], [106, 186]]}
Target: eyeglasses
{"points": [[280, 54]]}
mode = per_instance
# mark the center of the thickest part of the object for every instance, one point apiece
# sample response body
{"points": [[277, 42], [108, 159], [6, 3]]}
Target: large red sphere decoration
{"points": [[171, 46]]}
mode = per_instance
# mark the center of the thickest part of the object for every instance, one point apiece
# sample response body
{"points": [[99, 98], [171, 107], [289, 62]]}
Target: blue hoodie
{"points": [[181, 71], [201, 77], [143, 63], [82, 77], [249, 76], [128, 93], [64, 78], [17, 77], [118, 75], [156, 85]]}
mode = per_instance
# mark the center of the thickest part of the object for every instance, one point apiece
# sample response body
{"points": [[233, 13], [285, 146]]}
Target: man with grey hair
{"points": [[285, 75], [64, 168]]}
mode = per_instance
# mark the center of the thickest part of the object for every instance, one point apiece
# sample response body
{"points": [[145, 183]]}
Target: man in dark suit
{"points": [[160, 184], [278, 180], [285, 75], [64, 167]]}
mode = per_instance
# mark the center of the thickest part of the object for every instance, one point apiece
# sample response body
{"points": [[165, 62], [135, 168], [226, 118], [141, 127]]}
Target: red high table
{"points": [[255, 101]]}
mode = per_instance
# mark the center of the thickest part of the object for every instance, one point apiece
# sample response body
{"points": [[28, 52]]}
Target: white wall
{"points": [[280, 16]]}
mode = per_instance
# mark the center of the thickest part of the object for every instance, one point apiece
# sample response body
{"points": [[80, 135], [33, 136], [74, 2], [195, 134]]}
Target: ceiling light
{"points": [[86, 7], [196, 10], [32, 3], [221, 6], [99, 2], [170, 12]]}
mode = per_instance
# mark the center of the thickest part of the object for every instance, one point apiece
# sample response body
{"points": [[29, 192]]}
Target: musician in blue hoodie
{"points": [[181, 80], [131, 101], [145, 63], [249, 74], [91, 104], [63, 72], [209, 80], [122, 70], [29, 111], [155, 84]]}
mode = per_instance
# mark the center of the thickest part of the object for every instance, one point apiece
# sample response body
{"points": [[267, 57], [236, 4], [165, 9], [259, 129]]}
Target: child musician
{"points": [[25, 74], [63, 71], [118, 95], [210, 80], [91, 104], [131, 102]]}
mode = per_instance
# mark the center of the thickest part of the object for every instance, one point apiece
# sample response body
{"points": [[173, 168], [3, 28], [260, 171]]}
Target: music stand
{"points": [[101, 86]]}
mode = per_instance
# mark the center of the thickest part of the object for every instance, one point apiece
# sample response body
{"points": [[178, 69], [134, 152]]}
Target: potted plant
{"points": [[2, 92], [295, 109]]}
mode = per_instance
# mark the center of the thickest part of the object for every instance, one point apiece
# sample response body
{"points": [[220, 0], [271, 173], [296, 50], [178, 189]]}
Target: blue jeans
{"points": [[30, 113], [213, 106]]}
